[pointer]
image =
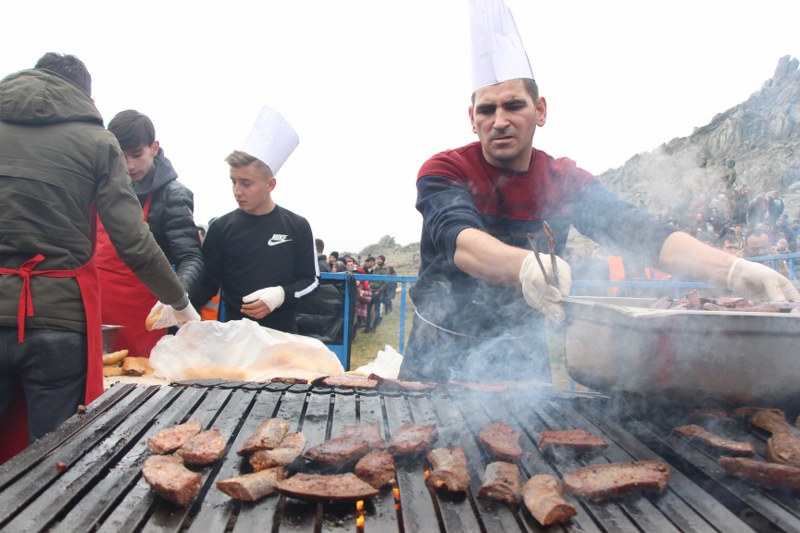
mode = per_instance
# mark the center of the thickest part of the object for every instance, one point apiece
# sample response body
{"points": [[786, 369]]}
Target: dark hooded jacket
{"points": [[57, 162], [171, 219]]}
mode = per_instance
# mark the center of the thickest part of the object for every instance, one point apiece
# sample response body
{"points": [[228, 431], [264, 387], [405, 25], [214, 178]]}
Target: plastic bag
{"points": [[386, 364], [240, 350]]}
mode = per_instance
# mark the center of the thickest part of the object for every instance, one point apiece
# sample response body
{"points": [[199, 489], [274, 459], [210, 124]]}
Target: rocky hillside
{"points": [[760, 136]]}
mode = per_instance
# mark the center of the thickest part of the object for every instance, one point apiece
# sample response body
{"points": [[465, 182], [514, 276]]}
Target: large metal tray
{"points": [[618, 345]]}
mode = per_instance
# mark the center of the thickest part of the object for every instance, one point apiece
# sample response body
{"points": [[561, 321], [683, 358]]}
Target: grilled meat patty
{"points": [[544, 497], [204, 448], [726, 445], [770, 475], [376, 468], [170, 439], [290, 448], [600, 482], [168, 478], [315, 487], [252, 487], [412, 439], [449, 469], [266, 436], [501, 441], [501, 482]]}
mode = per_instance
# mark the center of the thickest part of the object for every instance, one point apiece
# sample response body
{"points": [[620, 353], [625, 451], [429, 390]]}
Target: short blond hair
{"points": [[239, 159]]}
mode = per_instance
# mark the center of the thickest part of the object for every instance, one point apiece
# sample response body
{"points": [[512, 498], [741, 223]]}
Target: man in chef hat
{"points": [[482, 297], [261, 255]]}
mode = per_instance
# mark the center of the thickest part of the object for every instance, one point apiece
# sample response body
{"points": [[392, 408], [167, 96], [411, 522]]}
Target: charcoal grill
{"points": [[86, 476]]}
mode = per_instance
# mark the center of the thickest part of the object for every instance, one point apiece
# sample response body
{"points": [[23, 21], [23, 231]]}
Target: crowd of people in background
{"points": [[730, 218]]}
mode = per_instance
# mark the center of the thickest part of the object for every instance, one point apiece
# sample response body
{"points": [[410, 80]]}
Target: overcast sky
{"points": [[375, 87]]}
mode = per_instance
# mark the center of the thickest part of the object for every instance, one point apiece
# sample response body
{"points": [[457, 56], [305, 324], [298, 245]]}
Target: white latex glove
{"points": [[759, 282], [541, 296], [271, 296], [165, 316]]}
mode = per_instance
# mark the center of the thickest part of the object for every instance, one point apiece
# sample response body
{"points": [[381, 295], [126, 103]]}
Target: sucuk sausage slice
{"points": [[501, 441], [204, 448], [544, 497], [449, 469], [701, 434], [290, 448], [316, 487], [376, 468], [170, 439], [168, 478], [601, 482], [769, 475], [267, 436], [501, 482], [252, 487]]}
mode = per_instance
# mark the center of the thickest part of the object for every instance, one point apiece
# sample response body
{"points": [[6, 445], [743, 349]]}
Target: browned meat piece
{"points": [[600, 482], [501, 441], [730, 446], [732, 302], [290, 448], [748, 411], [400, 385], [347, 380], [784, 448], [694, 299], [204, 448], [501, 482], [289, 381], [252, 487], [376, 468], [168, 478], [412, 439], [370, 432], [449, 469], [170, 439], [267, 435], [544, 498], [338, 452], [314, 487], [576, 440], [770, 475], [772, 420]]}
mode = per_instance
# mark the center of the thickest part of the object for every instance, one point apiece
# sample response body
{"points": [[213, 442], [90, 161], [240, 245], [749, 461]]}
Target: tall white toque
{"points": [[497, 51], [272, 140]]}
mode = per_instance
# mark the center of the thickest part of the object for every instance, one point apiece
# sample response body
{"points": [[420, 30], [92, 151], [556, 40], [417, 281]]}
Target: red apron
{"points": [[124, 300], [14, 422]]}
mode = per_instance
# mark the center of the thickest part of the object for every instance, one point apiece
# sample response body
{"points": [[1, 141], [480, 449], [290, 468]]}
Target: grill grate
{"points": [[103, 449]]}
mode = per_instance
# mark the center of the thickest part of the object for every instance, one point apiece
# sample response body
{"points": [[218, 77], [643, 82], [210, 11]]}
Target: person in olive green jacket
{"points": [[57, 165]]}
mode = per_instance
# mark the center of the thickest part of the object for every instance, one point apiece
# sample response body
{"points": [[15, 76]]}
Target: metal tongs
{"points": [[551, 245]]}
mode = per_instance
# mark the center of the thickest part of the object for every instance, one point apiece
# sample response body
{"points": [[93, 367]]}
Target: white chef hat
{"points": [[497, 51], [272, 140]]}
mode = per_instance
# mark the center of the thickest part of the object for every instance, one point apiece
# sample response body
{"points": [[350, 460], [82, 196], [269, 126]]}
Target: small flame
{"points": [[396, 494], [427, 473], [360, 516]]}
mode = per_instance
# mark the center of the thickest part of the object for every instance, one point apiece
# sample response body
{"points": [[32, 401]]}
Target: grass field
{"points": [[366, 346]]}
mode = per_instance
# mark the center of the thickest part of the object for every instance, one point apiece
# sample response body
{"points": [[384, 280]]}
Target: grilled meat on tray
{"points": [[290, 448], [501, 482], [733, 447], [412, 439], [376, 468], [770, 475], [170, 439], [204, 448], [576, 440], [772, 420], [315, 487], [449, 469], [347, 380], [267, 436], [501, 441], [252, 487], [168, 478], [544, 497], [601, 482]]}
